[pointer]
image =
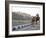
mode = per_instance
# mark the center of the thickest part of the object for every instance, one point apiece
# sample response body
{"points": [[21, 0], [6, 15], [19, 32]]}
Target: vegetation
{"points": [[18, 17]]}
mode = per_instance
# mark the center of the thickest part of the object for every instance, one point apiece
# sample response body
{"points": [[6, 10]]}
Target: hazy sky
{"points": [[29, 9]]}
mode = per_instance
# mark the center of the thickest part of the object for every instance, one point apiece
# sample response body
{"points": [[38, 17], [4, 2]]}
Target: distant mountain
{"points": [[20, 16]]}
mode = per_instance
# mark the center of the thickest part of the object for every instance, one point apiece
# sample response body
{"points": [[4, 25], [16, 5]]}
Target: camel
{"points": [[35, 19]]}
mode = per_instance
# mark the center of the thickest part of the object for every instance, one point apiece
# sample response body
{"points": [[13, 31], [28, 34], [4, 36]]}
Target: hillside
{"points": [[20, 16]]}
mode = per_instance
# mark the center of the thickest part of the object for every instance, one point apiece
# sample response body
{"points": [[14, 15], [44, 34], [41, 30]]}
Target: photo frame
{"points": [[22, 18]]}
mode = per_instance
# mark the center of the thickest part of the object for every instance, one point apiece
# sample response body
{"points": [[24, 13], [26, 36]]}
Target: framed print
{"points": [[24, 18]]}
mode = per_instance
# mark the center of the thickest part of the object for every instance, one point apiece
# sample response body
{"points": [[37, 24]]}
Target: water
{"points": [[25, 27]]}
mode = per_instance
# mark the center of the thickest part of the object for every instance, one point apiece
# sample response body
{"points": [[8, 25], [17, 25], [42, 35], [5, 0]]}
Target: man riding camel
{"points": [[35, 19]]}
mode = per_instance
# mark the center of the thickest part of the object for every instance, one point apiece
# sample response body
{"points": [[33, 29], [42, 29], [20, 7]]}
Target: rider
{"points": [[37, 18]]}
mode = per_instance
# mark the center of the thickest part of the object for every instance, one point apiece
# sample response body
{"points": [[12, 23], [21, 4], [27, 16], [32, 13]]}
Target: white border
{"points": [[24, 32]]}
